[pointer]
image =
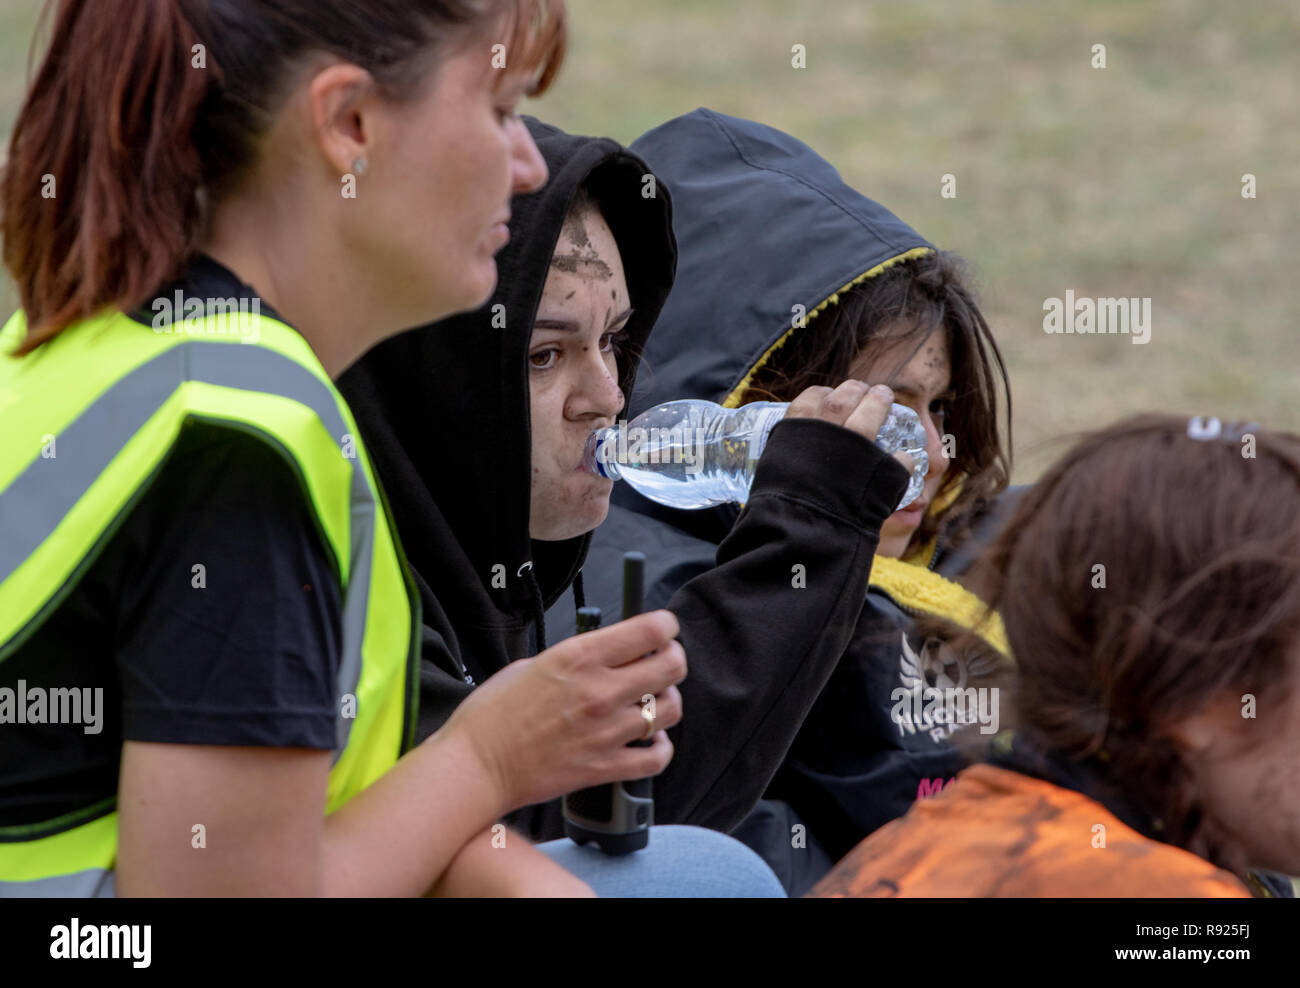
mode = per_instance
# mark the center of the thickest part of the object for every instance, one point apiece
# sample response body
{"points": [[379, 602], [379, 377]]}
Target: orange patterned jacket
{"points": [[997, 833]]}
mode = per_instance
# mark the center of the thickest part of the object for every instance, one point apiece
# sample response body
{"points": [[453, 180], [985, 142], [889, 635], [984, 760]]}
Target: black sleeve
{"points": [[228, 611], [764, 629], [761, 637], [853, 767]]}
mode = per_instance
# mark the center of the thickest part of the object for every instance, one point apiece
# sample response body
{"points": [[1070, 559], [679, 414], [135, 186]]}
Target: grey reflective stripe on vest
{"points": [[42, 495], [93, 883]]}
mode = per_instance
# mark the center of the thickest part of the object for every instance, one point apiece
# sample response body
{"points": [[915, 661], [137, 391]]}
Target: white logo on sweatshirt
{"points": [[936, 671]]}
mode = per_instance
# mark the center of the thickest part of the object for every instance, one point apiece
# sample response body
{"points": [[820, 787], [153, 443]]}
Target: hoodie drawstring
{"points": [[539, 608], [579, 593]]}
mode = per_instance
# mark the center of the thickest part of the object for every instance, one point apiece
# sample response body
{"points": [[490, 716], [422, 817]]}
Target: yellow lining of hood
{"points": [[733, 399], [924, 590]]}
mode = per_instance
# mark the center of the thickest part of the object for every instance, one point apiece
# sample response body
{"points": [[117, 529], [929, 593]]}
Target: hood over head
{"points": [[444, 409], [764, 224]]}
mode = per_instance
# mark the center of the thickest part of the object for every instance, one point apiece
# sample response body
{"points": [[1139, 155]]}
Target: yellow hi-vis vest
{"points": [[86, 421]]}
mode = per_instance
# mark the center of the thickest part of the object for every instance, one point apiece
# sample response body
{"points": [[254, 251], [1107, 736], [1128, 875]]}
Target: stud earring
{"points": [[359, 166]]}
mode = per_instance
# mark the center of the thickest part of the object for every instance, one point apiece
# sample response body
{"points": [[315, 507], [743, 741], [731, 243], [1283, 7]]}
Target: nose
{"points": [[596, 394], [528, 168]]}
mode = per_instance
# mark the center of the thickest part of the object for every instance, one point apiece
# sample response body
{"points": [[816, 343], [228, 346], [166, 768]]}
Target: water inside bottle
{"points": [[682, 455], [693, 475], [678, 456]]}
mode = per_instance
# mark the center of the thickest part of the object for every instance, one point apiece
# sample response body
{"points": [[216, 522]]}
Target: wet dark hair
{"points": [[140, 104], [918, 295], [1200, 546]]}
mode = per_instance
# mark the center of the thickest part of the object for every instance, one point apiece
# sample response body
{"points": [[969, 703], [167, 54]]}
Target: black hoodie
{"points": [[444, 411], [765, 224]]}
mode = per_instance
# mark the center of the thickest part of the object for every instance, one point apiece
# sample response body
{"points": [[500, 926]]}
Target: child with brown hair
{"points": [[1149, 585]]}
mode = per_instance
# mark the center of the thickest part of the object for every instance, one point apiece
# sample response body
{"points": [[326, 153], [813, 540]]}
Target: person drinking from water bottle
{"points": [[496, 512]]}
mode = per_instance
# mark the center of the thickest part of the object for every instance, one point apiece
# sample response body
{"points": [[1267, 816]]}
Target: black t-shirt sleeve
{"points": [[228, 611]]}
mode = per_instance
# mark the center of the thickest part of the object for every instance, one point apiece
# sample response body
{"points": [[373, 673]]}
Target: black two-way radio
{"points": [[616, 816]]}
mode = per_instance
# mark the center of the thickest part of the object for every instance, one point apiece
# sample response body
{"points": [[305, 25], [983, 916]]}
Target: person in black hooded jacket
{"points": [[790, 277], [445, 411]]}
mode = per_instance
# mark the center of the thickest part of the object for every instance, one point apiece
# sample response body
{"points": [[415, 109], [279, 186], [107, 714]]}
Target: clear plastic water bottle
{"points": [[695, 454]]}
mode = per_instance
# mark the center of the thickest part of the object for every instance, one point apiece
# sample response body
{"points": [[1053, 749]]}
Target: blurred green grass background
{"points": [[1122, 181]]}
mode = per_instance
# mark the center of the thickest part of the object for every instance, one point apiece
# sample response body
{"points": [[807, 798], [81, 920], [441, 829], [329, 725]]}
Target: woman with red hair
{"points": [[210, 210]]}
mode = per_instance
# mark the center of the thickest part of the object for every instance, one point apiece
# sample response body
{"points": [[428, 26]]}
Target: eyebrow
{"points": [[570, 326], [909, 389]]}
